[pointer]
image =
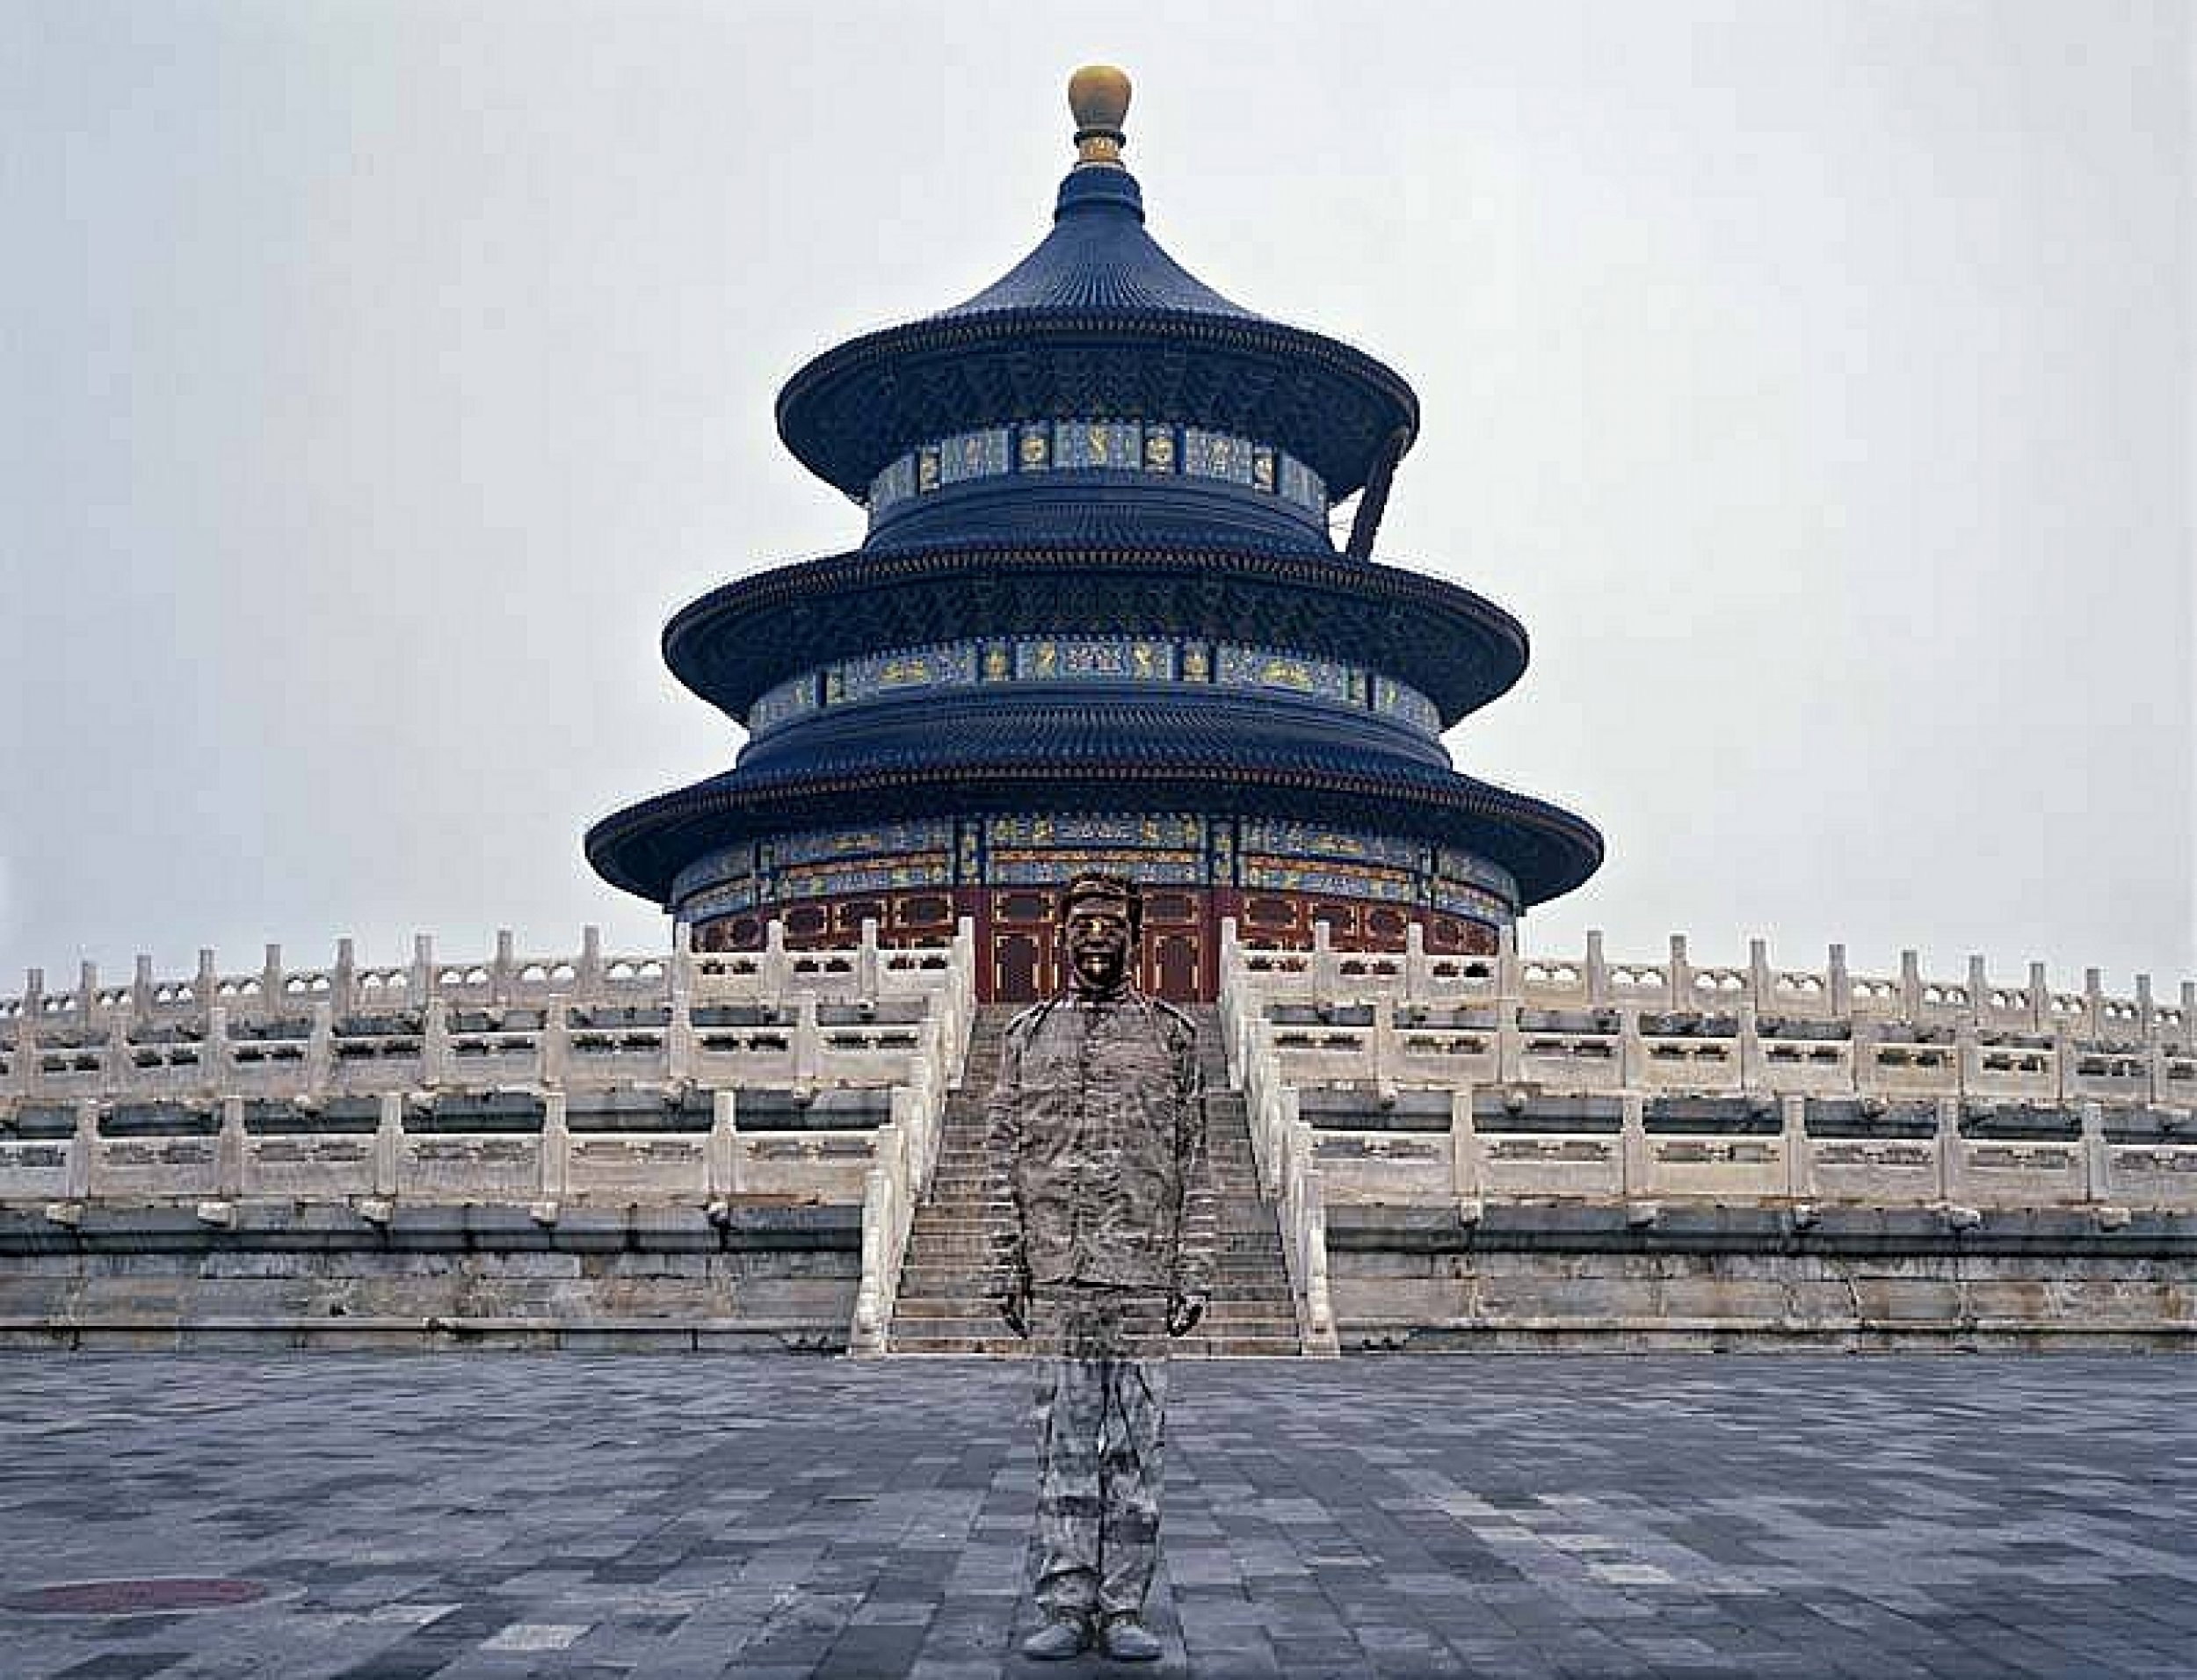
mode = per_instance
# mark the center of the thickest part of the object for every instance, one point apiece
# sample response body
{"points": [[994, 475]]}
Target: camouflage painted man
{"points": [[1098, 1137]]}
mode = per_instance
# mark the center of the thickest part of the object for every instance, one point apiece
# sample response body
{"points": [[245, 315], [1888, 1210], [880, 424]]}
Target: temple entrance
{"points": [[1024, 950], [1018, 948]]}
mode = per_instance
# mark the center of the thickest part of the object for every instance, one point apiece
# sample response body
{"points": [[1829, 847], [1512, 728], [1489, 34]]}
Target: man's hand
{"points": [[1185, 1308]]}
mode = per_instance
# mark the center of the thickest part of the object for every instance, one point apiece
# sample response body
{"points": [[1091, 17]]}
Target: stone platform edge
{"points": [[782, 1279], [1632, 1277]]}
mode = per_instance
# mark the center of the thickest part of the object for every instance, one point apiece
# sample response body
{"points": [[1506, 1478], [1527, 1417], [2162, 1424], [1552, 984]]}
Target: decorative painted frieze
{"points": [[1080, 446], [1071, 658]]}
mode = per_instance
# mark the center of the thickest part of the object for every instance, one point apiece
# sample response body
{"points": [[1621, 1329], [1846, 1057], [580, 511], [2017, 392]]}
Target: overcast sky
{"points": [[1814, 380]]}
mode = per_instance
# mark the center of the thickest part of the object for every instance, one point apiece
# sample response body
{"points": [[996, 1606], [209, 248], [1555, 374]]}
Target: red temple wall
{"points": [[1017, 952]]}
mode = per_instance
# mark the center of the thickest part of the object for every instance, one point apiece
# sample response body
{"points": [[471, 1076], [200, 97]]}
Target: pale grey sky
{"points": [[1814, 380]]}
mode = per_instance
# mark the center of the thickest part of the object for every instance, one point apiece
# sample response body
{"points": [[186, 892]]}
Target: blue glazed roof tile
{"points": [[1098, 256]]}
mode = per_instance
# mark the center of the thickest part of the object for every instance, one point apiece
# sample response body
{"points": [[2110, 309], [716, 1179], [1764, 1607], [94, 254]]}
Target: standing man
{"points": [[1098, 1140]]}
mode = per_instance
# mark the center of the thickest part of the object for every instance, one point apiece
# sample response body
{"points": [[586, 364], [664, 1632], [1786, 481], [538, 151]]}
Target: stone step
{"points": [[932, 1273], [1000, 1343], [928, 1308], [976, 1224], [972, 1216], [1246, 1259], [976, 1165], [1240, 1249], [977, 1236], [940, 1308], [976, 1169], [1265, 1321], [1229, 1292], [978, 1192]]}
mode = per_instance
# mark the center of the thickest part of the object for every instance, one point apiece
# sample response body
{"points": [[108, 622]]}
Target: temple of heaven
{"points": [[1097, 620]]}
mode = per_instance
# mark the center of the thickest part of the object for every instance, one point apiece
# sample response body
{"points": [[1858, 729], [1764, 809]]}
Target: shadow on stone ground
{"points": [[660, 1518]]}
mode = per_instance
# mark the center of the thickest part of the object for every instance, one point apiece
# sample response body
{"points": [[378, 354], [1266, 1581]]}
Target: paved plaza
{"points": [[664, 1518]]}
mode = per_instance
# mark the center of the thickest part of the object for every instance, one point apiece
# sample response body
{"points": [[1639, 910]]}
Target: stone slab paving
{"points": [[483, 1516]]}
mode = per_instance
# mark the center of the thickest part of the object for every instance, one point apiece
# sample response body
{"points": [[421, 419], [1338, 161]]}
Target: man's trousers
{"points": [[1101, 1411]]}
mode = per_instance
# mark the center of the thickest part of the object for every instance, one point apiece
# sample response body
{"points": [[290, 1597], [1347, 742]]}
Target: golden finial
{"points": [[1099, 95]]}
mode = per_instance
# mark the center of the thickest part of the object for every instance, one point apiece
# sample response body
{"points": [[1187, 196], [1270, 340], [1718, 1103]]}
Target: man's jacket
{"points": [[1097, 1138]]}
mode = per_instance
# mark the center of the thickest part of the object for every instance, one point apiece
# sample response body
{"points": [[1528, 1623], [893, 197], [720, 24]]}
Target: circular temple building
{"points": [[1097, 620]]}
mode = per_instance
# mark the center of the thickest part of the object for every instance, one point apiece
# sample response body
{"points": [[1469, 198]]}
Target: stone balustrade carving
{"points": [[685, 1076], [1413, 1079]]}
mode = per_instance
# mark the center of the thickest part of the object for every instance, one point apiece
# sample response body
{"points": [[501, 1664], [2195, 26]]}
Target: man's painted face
{"points": [[1098, 945]]}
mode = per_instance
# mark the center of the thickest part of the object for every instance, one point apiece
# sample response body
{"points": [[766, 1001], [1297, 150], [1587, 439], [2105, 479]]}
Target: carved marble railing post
{"points": [[872, 1299], [1387, 1061], [1951, 1153], [87, 993], [1415, 974], [320, 1048], [1465, 1169], [434, 1043], [1679, 974], [724, 1144], [2039, 1000], [1761, 985], [343, 983], [1510, 1048], [205, 988], [1841, 984], [553, 1047], [1800, 1150], [1509, 984], [2097, 1157], [229, 1150], [1754, 1071], [777, 968], [589, 982], [679, 982], [1632, 1049], [1287, 1118], [115, 1067], [808, 1043], [141, 989], [1326, 975], [1597, 969], [1911, 986], [556, 1147], [866, 962], [1321, 1339], [421, 986], [501, 966], [679, 1038], [388, 1145], [80, 1174], [2093, 1005], [270, 982], [214, 1063], [1635, 1175]]}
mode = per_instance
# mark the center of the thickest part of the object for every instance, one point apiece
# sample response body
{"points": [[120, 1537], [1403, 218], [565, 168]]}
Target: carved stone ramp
{"points": [[941, 1306]]}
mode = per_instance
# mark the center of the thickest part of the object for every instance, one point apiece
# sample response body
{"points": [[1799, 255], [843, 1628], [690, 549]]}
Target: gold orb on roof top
{"points": [[1098, 96]]}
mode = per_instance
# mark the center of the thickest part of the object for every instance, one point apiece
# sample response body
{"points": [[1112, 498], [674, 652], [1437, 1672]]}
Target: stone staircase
{"points": [[941, 1309]]}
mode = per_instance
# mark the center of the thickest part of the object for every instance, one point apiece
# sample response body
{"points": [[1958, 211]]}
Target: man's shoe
{"points": [[1060, 1639], [1127, 1639]]}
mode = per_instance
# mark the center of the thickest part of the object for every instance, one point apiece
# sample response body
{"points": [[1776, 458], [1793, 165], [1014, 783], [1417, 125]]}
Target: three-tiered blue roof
{"points": [[1097, 620]]}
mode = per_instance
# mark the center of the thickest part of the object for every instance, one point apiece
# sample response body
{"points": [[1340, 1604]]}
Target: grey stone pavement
{"points": [[467, 1517]]}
